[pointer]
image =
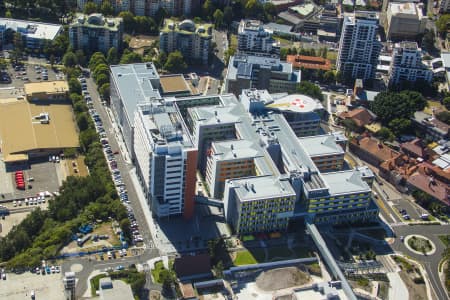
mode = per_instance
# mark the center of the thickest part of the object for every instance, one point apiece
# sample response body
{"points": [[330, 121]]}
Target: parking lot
{"points": [[405, 207], [19, 287], [40, 176], [29, 73]]}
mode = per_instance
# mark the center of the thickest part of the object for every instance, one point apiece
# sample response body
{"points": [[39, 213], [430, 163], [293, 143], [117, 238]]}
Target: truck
{"points": [[84, 239]]}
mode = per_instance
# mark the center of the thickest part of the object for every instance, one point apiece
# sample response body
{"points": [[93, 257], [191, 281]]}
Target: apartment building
{"points": [[404, 21], [259, 204], [325, 152], [230, 159], [166, 160], [131, 85], [406, 64], [34, 34], [359, 46], [263, 73], [95, 33], [191, 39], [253, 38]]}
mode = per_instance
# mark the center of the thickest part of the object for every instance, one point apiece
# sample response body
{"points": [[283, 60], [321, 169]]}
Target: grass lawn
{"points": [[420, 244], [431, 105], [95, 282], [332, 55], [159, 266], [445, 239], [244, 258]]}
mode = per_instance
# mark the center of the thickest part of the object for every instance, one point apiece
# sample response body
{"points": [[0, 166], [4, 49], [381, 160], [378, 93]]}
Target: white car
{"points": [[14, 203]]}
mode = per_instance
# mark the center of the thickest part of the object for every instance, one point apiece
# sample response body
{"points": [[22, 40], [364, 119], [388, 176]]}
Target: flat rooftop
{"points": [[49, 87], [28, 134], [320, 145], [404, 8], [210, 115], [261, 187], [171, 84], [237, 149], [134, 83], [118, 290], [345, 182], [35, 30], [296, 103], [97, 20]]}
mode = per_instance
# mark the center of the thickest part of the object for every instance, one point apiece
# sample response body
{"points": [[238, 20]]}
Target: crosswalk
{"points": [[388, 263]]}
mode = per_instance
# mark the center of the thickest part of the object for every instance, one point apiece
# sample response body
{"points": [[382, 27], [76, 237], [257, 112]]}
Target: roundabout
{"points": [[419, 244]]}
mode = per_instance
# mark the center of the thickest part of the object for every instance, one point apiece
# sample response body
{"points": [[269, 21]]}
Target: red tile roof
{"points": [[433, 187], [377, 149], [414, 147], [361, 116], [309, 62]]}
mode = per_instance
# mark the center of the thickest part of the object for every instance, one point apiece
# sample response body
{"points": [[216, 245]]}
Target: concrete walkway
{"points": [[397, 288]]}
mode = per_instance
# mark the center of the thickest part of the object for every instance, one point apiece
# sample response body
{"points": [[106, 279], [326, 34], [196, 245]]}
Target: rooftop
{"points": [[236, 149], [114, 289], [188, 27], [407, 8], [431, 186], [309, 62], [261, 187], [97, 20], [36, 30], [49, 87], [29, 134], [348, 182], [376, 148], [174, 83], [210, 115], [192, 265], [361, 116], [296, 103], [304, 9], [320, 145], [135, 84], [253, 25]]}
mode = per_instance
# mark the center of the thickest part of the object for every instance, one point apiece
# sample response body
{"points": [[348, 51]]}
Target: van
{"points": [[424, 216]]}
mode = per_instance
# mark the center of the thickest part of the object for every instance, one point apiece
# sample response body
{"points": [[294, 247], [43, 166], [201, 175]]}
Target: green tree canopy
{"points": [[90, 7], [310, 89], [128, 21], [444, 116], [385, 134], [218, 18], [106, 8], [446, 102], [175, 62], [391, 105], [112, 57], [130, 57], [441, 23]]}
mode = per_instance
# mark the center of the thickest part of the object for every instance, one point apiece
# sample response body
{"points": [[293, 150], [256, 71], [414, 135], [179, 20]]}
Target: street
{"points": [[88, 265]]}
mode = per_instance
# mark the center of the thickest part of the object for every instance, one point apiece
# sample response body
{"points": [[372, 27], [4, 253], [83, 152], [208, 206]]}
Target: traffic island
{"points": [[420, 244]]}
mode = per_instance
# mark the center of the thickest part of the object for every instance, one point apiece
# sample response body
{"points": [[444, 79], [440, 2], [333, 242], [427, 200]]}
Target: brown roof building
{"points": [[360, 116], [372, 150], [309, 62], [414, 148], [192, 266], [433, 187]]}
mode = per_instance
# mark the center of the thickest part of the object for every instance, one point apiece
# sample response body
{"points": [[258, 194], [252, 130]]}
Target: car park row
{"points": [[112, 162]]}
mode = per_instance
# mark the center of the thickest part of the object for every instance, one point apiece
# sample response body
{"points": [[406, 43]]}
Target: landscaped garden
{"points": [[420, 244]]}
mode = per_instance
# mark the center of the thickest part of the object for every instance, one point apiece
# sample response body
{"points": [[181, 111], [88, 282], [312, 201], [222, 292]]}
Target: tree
{"points": [[104, 90], [446, 102], [228, 15], [96, 59], [400, 126], [208, 9], [74, 86], [112, 57], [444, 116], [416, 99], [82, 121], [329, 77], [102, 79], [391, 105], [441, 23], [229, 53], [81, 58], [385, 134], [310, 89], [270, 11], [218, 18], [130, 57], [175, 62], [161, 59], [128, 21], [106, 8], [428, 40], [90, 7]]}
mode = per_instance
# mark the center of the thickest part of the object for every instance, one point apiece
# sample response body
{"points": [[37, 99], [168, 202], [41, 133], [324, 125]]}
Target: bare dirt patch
{"points": [[282, 278], [416, 291]]}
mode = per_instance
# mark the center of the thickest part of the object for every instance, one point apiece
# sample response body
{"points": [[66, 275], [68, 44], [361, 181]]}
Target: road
{"points": [[430, 262], [400, 228], [124, 167]]}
